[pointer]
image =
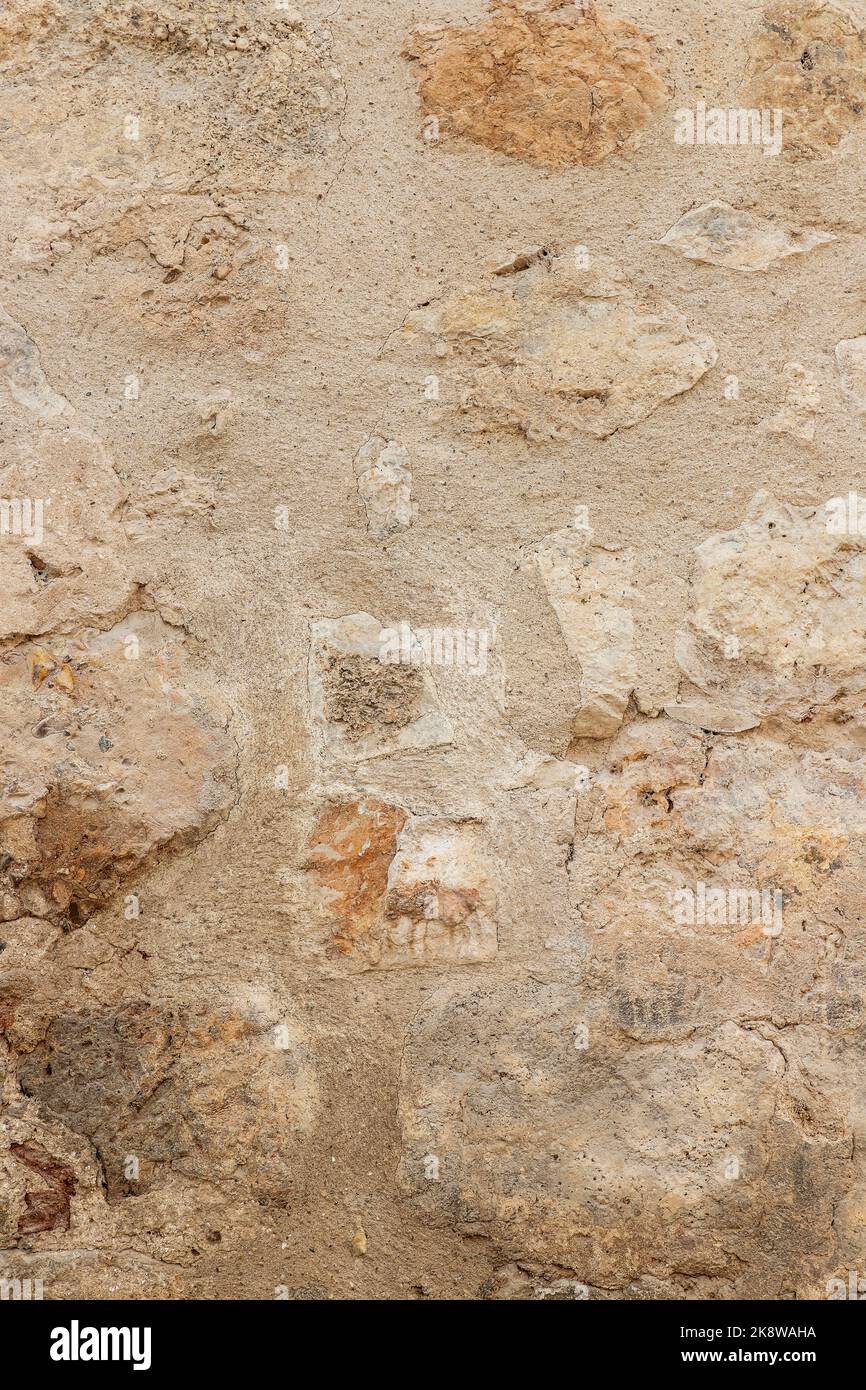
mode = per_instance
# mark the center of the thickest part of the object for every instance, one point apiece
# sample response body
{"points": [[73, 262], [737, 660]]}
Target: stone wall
{"points": [[432, 649]]}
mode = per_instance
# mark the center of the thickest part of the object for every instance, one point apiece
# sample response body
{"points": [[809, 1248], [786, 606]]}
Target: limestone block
{"points": [[362, 705], [397, 890], [775, 625], [549, 82], [557, 350], [385, 486], [719, 234], [801, 51]]}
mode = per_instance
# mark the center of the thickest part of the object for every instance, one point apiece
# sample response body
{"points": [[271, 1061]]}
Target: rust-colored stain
{"points": [[48, 1208], [350, 852], [82, 855], [43, 665], [230, 1029]]}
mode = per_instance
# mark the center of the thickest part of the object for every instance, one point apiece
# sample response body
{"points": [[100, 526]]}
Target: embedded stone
{"points": [[851, 362], [363, 704], [552, 82], [385, 486], [192, 1094], [806, 59], [718, 719], [801, 406], [775, 623], [719, 234], [399, 890], [98, 780], [560, 349], [503, 1084], [590, 591]]}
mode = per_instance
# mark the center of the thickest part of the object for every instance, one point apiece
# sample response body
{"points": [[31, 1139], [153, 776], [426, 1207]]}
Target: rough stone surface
{"points": [[715, 718], [197, 1097], [551, 82], [775, 623], [560, 349], [403, 890], [432, 623], [797, 417], [385, 486], [851, 362], [110, 758], [590, 592], [806, 60], [365, 707], [495, 1089], [721, 235]]}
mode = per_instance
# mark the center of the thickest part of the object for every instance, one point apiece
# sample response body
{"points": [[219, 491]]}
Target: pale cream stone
{"points": [[716, 718], [776, 620], [440, 904], [385, 486], [720, 234], [21, 371], [363, 706], [801, 407], [560, 349], [851, 362], [590, 591]]}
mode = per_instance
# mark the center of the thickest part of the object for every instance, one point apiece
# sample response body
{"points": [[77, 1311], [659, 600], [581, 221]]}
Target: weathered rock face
{"points": [[584, 661], [364, 705], [590, 592], [263, 89], [716, 1039], [22, 372], [68, 564], [722, 235], [806, 60], [351, 852], [188, 1097], [676, 808], [110, 758], [776, 618], [851, 361], [502, 1089], [797, 417], [561, 349], [549, 82], [385, 486], [46, 1202], [127, 211], [400, 890]]}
